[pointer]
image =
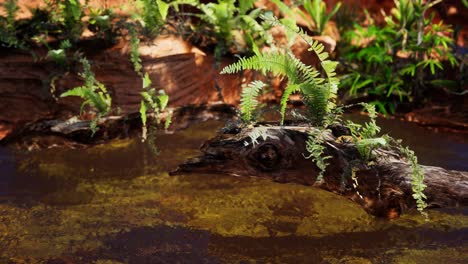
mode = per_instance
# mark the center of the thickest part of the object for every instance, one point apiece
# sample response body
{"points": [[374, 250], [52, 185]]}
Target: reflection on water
{"points": [[435, 149], [116, 204]]}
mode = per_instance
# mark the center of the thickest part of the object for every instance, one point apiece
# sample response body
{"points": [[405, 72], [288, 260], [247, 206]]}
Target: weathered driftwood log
{"points": [[383, 188]]}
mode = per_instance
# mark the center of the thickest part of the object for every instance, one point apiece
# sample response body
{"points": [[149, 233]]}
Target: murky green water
{"points": [[117, 204]]}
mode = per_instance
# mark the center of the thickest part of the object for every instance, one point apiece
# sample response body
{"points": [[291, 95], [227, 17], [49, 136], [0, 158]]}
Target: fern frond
{"points": [[245, 5], [260, 132], [316, 99], [366, 145], [314, 146], [80, 91], [283, 64], [417, 180], [290, 89], [318, 93], [248, 99], [93, 92]]}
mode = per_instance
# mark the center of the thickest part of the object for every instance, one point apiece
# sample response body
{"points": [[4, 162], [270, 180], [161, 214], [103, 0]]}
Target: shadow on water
{"points": [[163, 244], [115, 203]]}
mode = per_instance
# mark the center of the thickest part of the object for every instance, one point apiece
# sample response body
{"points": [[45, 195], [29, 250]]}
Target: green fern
{"points": [[260, 132], [233, 24], [317, 100], [152, 101], [316, 149], [290, 89], [11, 8], [248, 99], [151, 15], [134, 52], [366, 145], [317, 9], [94, 94], [66, 14], [318, 93], [365, 136], [417, 180], [8, 34], [278, 63]]}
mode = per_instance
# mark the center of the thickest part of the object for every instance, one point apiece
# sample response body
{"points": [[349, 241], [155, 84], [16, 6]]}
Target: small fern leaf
{"points": [[316, 99], [142, 111], [77, 91], [290, 89], [163, 100], [249, 100], [329, 68]]}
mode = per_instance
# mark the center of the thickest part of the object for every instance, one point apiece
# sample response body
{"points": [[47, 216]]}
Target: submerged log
{"points": [[382, 185]]}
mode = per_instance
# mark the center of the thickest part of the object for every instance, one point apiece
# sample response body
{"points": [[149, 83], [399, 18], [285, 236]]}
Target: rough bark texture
{"points": [[383, 188]]}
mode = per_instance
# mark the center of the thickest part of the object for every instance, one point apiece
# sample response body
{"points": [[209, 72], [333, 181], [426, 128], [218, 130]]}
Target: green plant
{"points": [[318, 93], [249, 102], [66, 15], [234, 27], [8, 36], [317, 10], [134, 52], [100, 22], [99, 19], [94, 94], [417, 179], [259, 132], [72, 14], [151, 16], [401, 60], [59, 55], [316, 149], [11, 7], [154, 102], [314, 9], [365, 136]]}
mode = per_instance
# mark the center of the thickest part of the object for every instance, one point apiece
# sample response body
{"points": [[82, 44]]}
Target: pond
{"points": [[116, 203]]}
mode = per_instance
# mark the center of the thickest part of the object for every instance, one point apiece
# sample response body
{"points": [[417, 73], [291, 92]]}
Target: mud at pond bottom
{"points": [[115, 203]]}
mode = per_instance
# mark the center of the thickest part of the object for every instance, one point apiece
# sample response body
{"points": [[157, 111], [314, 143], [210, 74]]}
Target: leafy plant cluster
{"points": [[318, 90], [417, 179], [93, 93], [315, 146], [401, 60], [235, 26], [8, 25], [365, 136], [152, 101], [60, 19], [314, 12], [65, 20]]}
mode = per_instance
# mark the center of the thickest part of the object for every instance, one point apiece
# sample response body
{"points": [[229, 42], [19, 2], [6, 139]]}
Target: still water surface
{"points": [[116, 203]]}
